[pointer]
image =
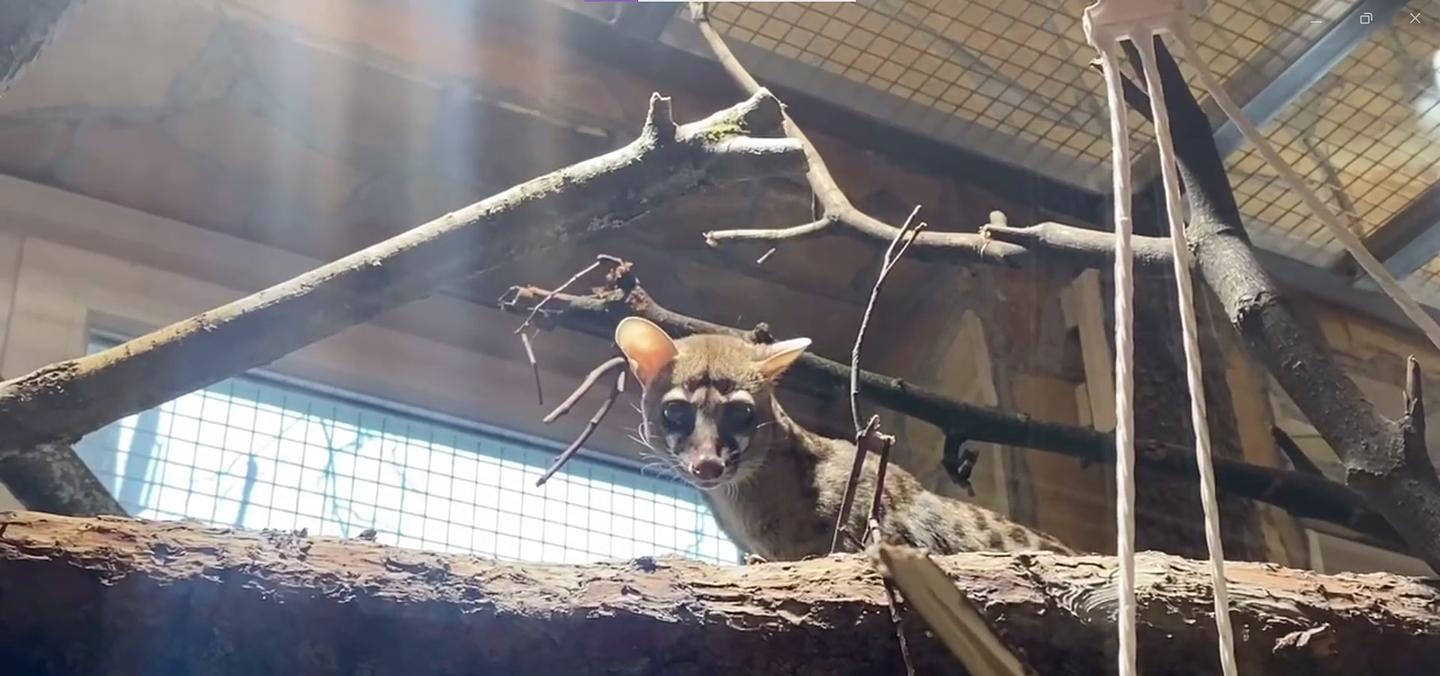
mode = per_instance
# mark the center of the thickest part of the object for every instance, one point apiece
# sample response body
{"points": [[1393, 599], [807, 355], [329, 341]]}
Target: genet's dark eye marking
{"points": [[679, 416], [739, 415]]}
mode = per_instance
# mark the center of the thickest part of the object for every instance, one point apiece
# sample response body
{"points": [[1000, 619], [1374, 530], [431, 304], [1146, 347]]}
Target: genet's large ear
{"points": [[778, 357], [647, 347]]}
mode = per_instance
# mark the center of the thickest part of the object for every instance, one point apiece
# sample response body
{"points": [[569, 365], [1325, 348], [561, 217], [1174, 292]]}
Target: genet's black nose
{"points": [[708, 469]]}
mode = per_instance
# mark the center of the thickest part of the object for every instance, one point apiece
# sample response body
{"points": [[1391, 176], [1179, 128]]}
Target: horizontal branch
{"points": [[124, 596], [1302, 495], [64, 401]]}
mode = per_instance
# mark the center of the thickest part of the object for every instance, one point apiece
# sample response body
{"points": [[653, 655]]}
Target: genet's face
{"points": [[708, 426], [708, 405], [708, 397]]}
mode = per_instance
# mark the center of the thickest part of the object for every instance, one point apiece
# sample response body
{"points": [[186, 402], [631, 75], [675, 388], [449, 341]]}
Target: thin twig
{"points": [[599, 260], [535, 311], [589, 430], [585, 385], [862, 443], [904, 237], [892, 599], [868, 438], [534, 367], [876, 505]]}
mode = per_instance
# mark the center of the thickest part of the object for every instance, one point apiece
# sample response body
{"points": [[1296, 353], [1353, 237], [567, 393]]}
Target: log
{"points": [[122, 596]]}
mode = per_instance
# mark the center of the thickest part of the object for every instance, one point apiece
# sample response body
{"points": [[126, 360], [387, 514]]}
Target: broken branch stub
{"points": [[66, 400]]}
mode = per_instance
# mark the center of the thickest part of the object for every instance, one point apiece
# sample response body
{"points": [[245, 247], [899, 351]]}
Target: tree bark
{"points": [[1168, 513], [120, 596]]}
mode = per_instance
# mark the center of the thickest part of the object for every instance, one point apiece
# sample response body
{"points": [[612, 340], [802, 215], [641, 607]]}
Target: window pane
{"points": [[254, 453]]}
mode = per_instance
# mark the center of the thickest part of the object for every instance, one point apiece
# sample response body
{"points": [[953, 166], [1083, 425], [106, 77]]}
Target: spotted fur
{"points": [[782, 484]]}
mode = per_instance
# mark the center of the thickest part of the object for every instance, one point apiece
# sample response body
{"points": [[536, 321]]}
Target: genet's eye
{"points": [[679, 416], [739, 415]]}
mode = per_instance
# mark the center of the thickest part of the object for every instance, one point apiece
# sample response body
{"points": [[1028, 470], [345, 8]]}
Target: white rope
{"points": [[1194, 375], [1124, 359], [1132, 20]]}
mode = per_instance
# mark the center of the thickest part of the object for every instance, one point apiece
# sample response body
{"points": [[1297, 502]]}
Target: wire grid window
{"points": [[253, 452]]}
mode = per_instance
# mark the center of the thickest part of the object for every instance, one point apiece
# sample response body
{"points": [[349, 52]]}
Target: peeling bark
{"points": [[121, 596]]}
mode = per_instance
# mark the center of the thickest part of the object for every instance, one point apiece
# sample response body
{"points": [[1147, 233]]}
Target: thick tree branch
{"points": [[1381, 460], [63, 401], [118, 596], [1305, 496]]}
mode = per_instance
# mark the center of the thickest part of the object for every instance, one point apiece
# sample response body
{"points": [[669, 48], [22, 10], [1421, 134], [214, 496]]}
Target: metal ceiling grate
{"points": [[1367, 137], [1017, 68]]}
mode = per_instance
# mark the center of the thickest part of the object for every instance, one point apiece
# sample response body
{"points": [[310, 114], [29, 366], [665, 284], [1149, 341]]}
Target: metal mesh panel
{"points": [[1019, 68], [256, 453], [1366, 137]]}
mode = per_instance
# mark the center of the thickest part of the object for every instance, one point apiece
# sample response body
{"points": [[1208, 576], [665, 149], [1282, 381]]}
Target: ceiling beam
{"points": [[1297, 77], [1408, 240]]}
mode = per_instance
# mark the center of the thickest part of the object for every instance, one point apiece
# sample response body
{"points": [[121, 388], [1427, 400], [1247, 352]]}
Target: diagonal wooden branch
{"points": [[1382, 461], [52, 478], [66, 400], [1302, 495]]}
